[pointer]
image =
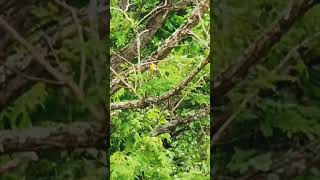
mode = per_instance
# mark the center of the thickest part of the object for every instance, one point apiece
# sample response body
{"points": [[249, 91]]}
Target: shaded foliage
{"points": [[273, 110]]}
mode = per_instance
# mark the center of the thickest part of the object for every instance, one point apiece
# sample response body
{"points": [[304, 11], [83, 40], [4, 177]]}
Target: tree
{"points": [[160, 115]]}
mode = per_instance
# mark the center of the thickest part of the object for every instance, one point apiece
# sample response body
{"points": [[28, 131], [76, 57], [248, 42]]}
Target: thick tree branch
{"points": [[154, 100], [153, 23], [76, 135], [170, 126], [181, 32], [299, 51]]}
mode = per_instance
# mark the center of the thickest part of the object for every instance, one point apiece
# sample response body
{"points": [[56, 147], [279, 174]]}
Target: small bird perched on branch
{"points": [[153, 67], [152, 71]]}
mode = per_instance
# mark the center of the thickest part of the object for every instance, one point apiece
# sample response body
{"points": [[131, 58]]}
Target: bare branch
{"points": [[39, 58], [32, 78], [55, 55], [181, 32], [124, 82], [80, 35], [217, 135], [76, 135], [170, 126]]}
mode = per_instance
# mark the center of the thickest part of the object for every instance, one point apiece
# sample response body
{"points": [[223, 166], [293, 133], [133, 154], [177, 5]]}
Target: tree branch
{"points": [[30, 77], [39, 57], [301, 50], [60, 76], [167, 128], [76, 135], [252, 55], [154, 100], [153, 23], [170, 42], [12, 85], [292, 165], [83, 64]]}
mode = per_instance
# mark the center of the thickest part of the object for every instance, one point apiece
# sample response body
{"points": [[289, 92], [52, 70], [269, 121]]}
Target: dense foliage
{"points": [[263, 123], [48, 130], [183, 151]]}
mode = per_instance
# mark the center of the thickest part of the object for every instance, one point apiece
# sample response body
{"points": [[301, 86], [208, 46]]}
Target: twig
{"points": [[56, 57], [185, 95], [201, 40], [124, 82], [165, 4], [202, 22], [80, 34], [32, 78], [39, 58], [139, 54], [178, 122], [227, 123]]}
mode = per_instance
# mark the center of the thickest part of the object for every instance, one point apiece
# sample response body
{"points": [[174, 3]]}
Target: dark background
{"points": [[265, 90], [53, 122]]}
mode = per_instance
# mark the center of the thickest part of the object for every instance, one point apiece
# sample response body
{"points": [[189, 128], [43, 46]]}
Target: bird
{"points": [[153, 67]]}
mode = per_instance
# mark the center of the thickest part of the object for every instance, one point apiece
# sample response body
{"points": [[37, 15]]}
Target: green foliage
{"points": [[282, 107], [18, 114], [134, 153], [47, 105], [242, 160]]}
